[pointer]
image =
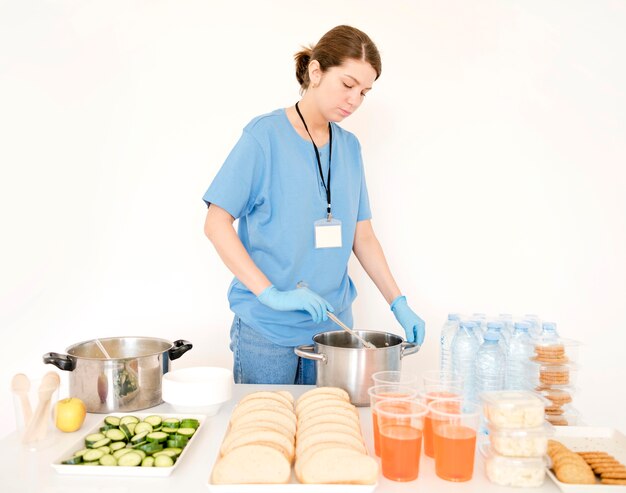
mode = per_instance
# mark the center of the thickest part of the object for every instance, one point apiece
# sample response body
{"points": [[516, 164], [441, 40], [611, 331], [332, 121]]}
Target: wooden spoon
{"points": [[20, 385], [37, 427]]}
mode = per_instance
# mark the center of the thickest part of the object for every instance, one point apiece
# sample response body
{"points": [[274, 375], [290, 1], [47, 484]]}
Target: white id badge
{"points": [[328, 233]]}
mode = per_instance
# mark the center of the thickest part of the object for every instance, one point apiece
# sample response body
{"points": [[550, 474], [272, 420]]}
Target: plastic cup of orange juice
{"points": [[400, 426], [390, 377], [436, 392], [380, 392], [455, 425]]}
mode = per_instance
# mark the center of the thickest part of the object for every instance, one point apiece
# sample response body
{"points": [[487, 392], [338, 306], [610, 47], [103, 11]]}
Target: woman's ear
{"points": [[315, 73]]}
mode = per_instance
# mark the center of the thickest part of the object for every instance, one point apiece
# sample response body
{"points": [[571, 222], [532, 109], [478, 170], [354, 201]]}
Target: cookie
{"points": [[608, 469], [594, 453], [557, 420], [558, 397], [557, 377], [612, 481], [552, 351], [575, 473], [554, 410], [614, 475]]}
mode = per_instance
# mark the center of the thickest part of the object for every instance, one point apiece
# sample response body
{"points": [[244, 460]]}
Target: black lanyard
{"points": [[319, 161]]}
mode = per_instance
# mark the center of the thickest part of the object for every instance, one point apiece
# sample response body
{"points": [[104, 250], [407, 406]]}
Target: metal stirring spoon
{"points": [[365, 343], [102, 349]]}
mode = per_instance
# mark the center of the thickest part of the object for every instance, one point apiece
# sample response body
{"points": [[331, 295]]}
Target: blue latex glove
{"points": [[297, 299], [413, 326]]}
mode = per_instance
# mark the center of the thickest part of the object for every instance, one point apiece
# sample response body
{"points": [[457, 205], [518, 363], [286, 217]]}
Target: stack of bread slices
{"points": [[323, 437], [329, 443]]}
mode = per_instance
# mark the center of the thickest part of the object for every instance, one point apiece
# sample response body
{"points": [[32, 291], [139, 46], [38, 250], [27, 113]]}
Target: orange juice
{"points": [[387, 395], [454, 452], [400, 448], [429, 442]]}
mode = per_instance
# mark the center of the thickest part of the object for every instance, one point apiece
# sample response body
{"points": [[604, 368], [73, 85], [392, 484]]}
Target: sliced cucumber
{"points": [[169, 453], [121, 452], [140, 437], [175, 450], [163, 461], [116, 446], [154, 420], [131, 427], [93, 438], [156, 436], [147, 462], [143, 427], [130, 459], [116, 435], [186, 432], [81, 452], [151, 447], [106, 449], [177, 442], [124, 420], [108, 460], [101, 443], [92, 455], [112, 420], [171, 423], [190, 423]]}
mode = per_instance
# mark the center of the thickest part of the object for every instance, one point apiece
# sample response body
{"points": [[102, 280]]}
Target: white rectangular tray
{"points": [[294, 486], [139, 471], [586, 438]]}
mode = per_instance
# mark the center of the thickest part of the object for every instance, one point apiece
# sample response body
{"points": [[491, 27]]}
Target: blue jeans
{"points": [[258, 360]]}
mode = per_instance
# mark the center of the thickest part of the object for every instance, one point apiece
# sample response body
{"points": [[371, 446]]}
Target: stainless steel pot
{"points": [[127, 381], [342, 361]]}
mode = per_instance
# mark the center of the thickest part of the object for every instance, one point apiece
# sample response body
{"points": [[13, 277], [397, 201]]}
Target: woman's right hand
{"points": [[297, 299]]}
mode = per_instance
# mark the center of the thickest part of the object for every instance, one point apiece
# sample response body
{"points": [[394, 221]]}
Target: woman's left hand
{"points": [[413, 325]]}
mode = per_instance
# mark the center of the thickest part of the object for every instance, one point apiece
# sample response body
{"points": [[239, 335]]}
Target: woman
{"points": [[295, 181]]}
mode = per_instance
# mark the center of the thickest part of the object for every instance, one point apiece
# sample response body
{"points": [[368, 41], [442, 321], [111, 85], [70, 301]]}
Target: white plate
{"points": [[585, 438], [121, 470]]}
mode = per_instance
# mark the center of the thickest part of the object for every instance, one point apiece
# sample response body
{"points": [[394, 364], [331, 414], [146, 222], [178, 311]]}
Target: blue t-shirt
{"points": [[271, 183]]}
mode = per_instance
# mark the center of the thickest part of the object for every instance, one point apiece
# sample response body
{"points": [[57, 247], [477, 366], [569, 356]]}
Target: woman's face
{"points": [[341, 89]]}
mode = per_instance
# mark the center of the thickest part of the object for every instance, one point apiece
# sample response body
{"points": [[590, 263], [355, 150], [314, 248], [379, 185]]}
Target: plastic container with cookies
{"points": [[513, 409], [568, 417], [556, 375], [520, 442], [558, 351]]}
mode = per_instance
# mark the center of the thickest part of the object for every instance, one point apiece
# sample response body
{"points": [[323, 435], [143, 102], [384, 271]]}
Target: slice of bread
{"points": [[287, 395], [330, 436], [329, 426], [350, 421], [325, 390], [315, 398], [262, 424], [310, 406], [260, 403], [252, 464], [313, 449], [288, 421], [235, 434], [269, 438], [268, 395], [338, 465], [325, 411]]}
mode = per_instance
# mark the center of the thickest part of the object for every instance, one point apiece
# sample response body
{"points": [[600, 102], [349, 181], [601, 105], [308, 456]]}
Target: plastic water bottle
{"points": [[507, 329], [448, 331], [535, 325], [518, 358], [490, 364], [464, 349], [549, 335], [498, 327]]}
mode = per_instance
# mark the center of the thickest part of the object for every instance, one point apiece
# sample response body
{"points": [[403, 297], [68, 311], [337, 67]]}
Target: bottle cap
{"points": [[495, 325], [523, 326], [468, 325], [492, 336]]}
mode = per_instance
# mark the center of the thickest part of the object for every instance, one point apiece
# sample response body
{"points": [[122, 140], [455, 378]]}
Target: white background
{"points": [[494, 145]]}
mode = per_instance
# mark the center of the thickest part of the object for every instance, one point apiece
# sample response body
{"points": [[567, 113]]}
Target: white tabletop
{"points": [[25, 471]]}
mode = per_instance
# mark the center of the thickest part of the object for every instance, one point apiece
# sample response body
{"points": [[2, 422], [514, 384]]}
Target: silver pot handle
{"points": [[308, 351], [409, 348]]}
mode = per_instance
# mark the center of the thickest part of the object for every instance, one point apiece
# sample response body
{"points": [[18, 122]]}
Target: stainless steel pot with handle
{"points": [[127, 381], [343, 361]]}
